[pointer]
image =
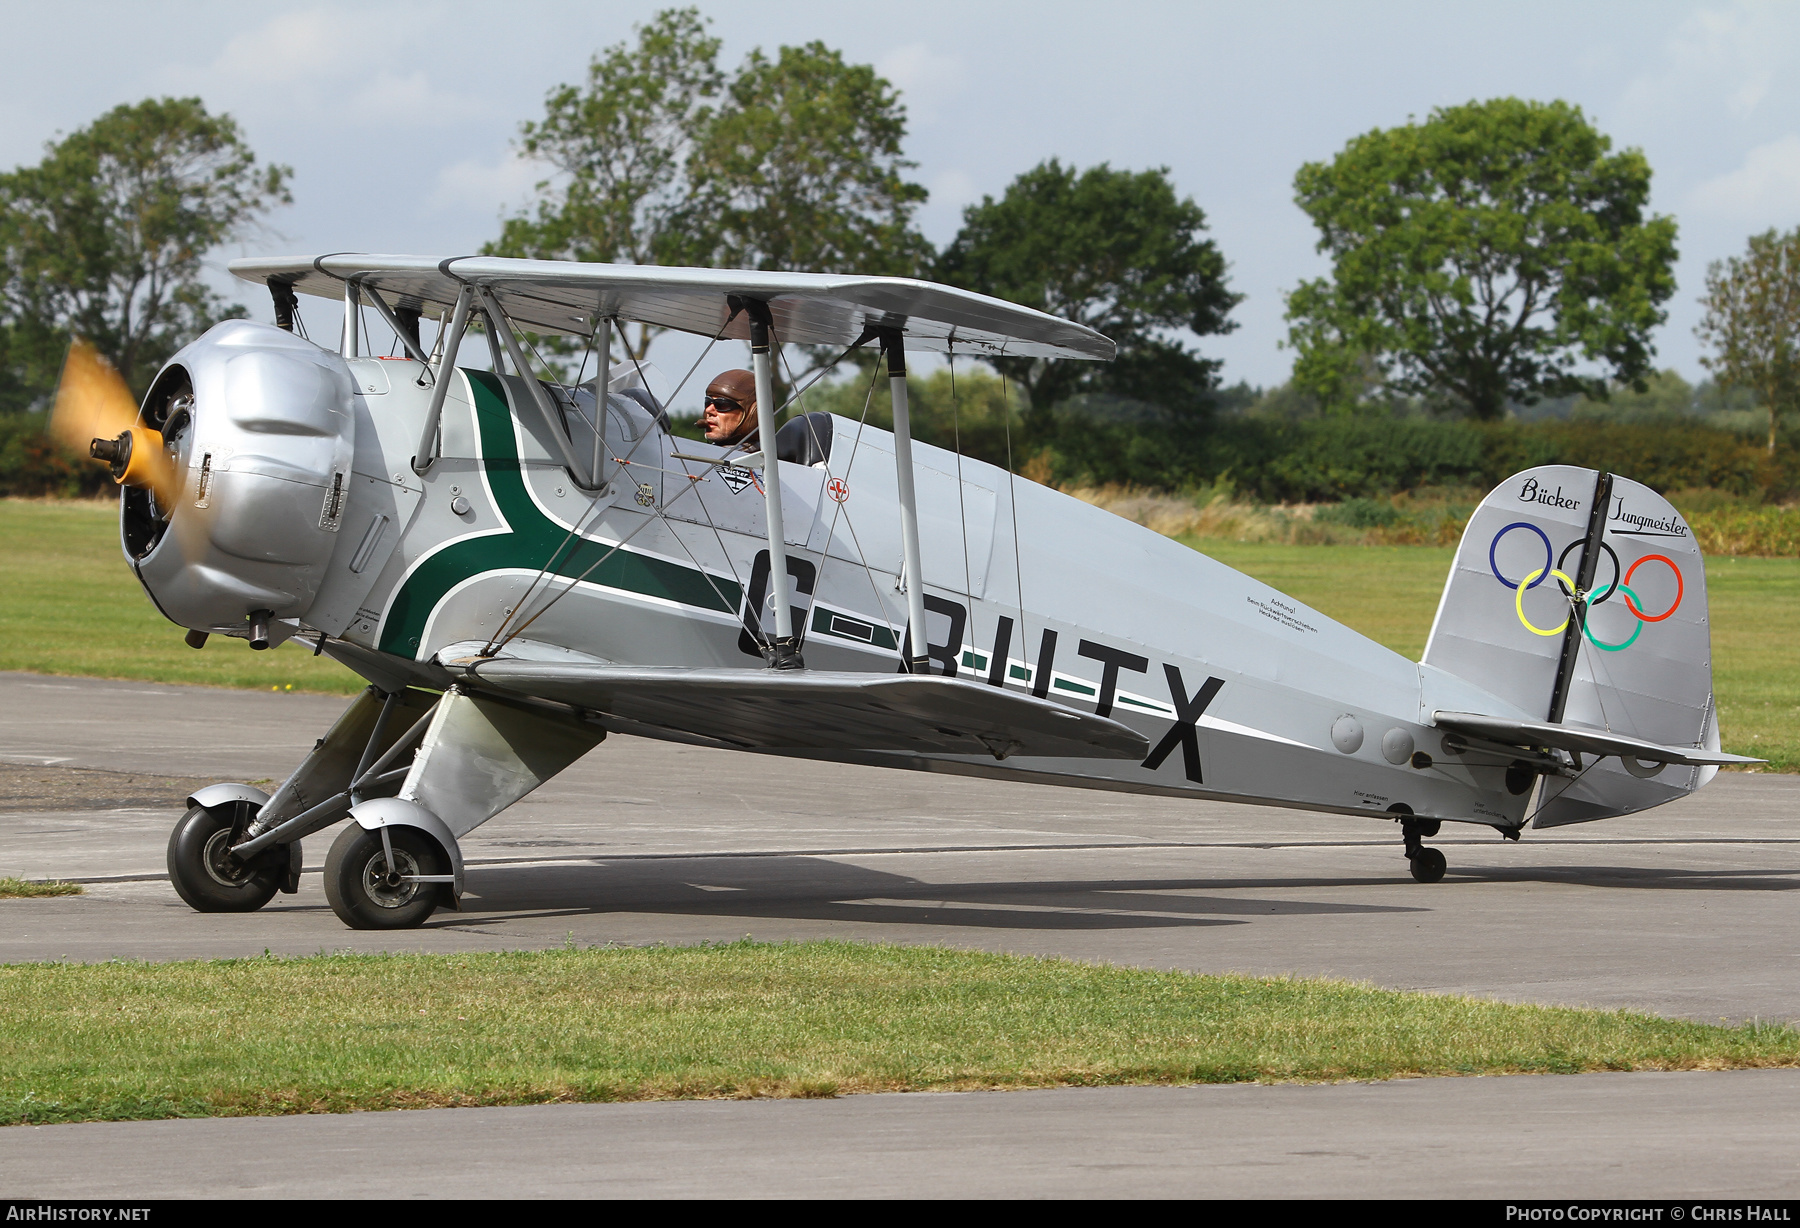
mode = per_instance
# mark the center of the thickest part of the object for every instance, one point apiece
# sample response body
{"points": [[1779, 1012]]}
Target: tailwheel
{"points": [[1428, 866], [204, 872], [374, 884]]}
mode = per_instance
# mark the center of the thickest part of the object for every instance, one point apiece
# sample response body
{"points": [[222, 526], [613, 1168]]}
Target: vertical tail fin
{"points": [[1644, 663]]}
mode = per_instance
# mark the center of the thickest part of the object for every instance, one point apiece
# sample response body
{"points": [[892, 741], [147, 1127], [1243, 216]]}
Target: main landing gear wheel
{"points": [[204, 872], [369, 893]]}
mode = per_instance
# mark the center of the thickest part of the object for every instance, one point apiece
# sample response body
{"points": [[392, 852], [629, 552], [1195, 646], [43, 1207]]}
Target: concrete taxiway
{"points": [[1649, 1136], [1683, 911]]}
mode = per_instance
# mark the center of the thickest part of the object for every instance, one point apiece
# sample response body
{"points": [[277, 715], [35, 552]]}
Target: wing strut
{"points": [[350, 347], [785, 652], [408, 339], [459, 324], [603, 331], [894, 342], [558, 435]]}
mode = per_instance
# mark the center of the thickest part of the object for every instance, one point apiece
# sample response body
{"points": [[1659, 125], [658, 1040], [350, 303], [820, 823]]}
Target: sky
{"points": [[399, 118]]}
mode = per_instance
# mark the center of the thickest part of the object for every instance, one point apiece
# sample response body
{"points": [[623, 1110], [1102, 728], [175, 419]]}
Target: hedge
{"points": [[1275, 461], [1333, 459], [34, 464]]}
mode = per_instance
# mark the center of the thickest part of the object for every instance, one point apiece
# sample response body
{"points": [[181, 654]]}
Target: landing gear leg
{"points": [[1427, 864]]}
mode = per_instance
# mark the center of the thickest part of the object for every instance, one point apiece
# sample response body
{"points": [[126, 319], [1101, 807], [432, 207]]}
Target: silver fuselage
{"points": [[1026, 588]]}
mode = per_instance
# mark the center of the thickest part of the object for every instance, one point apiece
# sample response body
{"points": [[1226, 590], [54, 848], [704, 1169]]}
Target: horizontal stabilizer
{"points": [[1585, 739], [823, 711]]}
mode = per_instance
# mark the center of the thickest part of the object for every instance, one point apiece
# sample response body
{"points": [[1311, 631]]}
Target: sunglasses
{"points": [[724, 405]]}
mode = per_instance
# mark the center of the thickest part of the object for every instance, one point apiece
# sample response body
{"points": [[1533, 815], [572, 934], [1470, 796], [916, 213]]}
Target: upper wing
{"points": [[820, 710], [561, 296], [1584, 738]]}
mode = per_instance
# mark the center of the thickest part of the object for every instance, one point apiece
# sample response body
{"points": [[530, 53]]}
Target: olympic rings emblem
{"points": [[1552, 567], [1630, 597]]}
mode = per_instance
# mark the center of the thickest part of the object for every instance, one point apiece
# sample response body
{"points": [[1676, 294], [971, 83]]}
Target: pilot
{"points": [[729, 417]]}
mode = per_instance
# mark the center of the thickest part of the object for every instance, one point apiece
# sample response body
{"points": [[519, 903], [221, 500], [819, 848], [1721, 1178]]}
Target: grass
{"points": [[27, 889], [1390, 594], [131, 1040], [68, 605]]}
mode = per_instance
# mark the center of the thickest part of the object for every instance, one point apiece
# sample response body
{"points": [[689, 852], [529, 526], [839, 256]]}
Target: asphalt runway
{"points": [[1683, 912]]}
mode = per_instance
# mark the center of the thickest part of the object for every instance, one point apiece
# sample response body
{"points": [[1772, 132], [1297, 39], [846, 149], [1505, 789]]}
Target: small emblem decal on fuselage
{"points": [[735, 477]]}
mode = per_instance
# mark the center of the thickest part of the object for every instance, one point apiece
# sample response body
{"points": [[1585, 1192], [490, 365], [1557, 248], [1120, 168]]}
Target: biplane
{"points": [[521, 564]]}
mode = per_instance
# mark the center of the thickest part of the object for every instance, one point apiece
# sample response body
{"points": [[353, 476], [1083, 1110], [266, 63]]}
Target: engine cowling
{"points": [[260, 427]]}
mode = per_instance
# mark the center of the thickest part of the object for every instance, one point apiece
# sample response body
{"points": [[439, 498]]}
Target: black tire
{"points": [[207, 876], [360, 885], [1428, 866]]}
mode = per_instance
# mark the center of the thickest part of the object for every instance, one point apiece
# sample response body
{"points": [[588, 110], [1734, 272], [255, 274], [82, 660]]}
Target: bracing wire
{"points": [[545, 609], [698, 565], [831, 534], [705, 511], [800, 392], [690, 371], [841, 510], [501, 637], [495, 642], [498, 641], [1543, 801]]}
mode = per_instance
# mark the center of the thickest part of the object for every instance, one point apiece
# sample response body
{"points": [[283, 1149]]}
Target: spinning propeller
{"points": [[95, 411]]}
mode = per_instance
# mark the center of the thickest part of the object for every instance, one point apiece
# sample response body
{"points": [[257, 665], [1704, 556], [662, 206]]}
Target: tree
{"points": [[1117, 251], [1752, 321], [1481, 257], [802, 170], [621, 147], [792, 163], [105, 238]]}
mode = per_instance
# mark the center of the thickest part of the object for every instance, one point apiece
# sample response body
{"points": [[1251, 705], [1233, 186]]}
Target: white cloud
{"points": [[1733, 54], [953, 187], [1764, 191], [927, 81], [290, 48], [410, 99], [501, 186], [338, 64]]}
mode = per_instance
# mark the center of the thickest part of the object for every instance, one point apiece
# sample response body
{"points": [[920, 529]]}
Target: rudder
{"points": [[1644, 665]]}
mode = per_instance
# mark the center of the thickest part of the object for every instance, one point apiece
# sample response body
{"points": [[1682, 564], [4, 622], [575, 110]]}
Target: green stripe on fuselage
{"points": [[533, 539]]}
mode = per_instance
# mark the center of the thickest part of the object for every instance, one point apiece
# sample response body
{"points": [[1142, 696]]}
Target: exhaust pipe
{"points": [[259, 628]]}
